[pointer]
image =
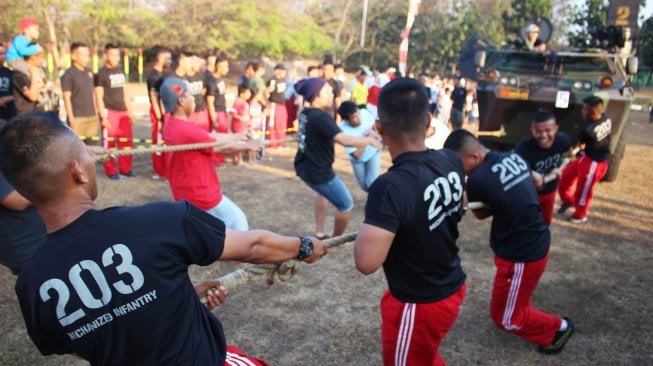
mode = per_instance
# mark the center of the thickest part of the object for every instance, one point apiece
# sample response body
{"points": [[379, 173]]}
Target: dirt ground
{"points": [[600, 274]]}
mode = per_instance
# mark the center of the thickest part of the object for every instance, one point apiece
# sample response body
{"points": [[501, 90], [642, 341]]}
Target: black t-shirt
{"points": [[113, 82], [8, 110], [80, 84], [596, 137], [113, 287], [21, 83], [503, 181], [458, 96], [315, 153], [278, 95], [21, 232], [419, 199], [218, 89], [154, 81], [197, 87], [542, 160]]}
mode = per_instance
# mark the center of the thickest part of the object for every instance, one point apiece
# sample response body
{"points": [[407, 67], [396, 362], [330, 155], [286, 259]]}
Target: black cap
{"points": [[593, 101], [280, 67]]}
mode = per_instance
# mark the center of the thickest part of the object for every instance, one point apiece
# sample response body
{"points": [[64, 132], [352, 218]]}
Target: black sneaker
{"points": [[559, 341], [129, 174], [564, 207]]}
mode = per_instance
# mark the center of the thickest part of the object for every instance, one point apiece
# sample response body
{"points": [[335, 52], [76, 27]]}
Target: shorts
{"points": [[335, 192], [233, 217]]}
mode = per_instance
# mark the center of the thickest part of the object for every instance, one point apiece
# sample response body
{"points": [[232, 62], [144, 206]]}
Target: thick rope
{"points": [[278, 272], [113, 153]]}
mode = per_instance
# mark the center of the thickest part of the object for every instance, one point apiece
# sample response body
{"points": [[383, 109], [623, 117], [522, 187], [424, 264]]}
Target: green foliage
{"points": [[645, 43], [523, 10]]}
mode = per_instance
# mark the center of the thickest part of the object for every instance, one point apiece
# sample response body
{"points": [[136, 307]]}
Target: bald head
{"points": [[36, 150]]}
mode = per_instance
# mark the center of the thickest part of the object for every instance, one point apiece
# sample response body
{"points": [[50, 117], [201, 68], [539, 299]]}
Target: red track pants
{"points": [[585, 173]]}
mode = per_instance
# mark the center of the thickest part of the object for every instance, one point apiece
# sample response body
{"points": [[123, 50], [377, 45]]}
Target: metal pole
{"points": [[363, 27]]}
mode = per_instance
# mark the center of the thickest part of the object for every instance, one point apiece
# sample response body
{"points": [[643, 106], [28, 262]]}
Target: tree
{"points": [[523, 10], [645, 42]]}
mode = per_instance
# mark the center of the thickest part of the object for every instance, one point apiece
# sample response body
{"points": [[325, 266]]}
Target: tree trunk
{"points": [[52, 35]]}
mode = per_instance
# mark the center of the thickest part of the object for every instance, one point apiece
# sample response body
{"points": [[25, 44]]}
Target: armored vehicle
{"points": [[512, 84]]}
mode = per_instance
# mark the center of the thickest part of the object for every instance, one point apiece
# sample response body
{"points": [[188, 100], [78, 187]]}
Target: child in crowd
{"points": [[240, 117], [23, 44], [366, 161]]}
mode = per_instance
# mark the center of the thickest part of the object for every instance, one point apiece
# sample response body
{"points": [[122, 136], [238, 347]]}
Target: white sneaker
{"points": [[578, 221]]}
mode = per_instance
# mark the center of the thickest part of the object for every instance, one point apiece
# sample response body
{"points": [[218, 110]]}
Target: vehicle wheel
{"points": [[615, 159]]}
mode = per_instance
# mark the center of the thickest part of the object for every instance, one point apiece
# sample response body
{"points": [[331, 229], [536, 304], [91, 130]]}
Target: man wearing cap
{"points": [[278, 121], [532, 32], [588, 170], [315, 154], [190, 173]]}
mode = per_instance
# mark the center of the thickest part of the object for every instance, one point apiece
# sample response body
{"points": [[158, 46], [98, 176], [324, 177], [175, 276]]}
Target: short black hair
{"points": [[542, 115], [346, 109], [593, 101], [242, 88], [110, 46], [311, 68], [403, 107], [24, 158], [221, 58], [77, 45], [460, 139], [159, 50]]}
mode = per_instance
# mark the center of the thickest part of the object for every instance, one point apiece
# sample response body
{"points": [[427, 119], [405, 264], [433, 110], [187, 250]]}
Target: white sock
{"points": [[563, 325]]}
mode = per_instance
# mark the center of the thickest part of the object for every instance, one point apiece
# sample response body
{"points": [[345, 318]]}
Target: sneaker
{"points": [[559, 341], [129, 174], [114, 177], [156, 176], [564, 207], [576, 220]]}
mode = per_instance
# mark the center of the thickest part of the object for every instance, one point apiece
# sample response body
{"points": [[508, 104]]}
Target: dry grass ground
{"points": [[600, 274]]}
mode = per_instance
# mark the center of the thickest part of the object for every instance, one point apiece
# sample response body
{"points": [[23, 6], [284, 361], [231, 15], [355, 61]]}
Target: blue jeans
{"points": [[232, 216], [368, 171], [335, 192]]}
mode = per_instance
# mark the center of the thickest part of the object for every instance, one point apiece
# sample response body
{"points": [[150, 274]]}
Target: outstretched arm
{"points": [[261, 246]]}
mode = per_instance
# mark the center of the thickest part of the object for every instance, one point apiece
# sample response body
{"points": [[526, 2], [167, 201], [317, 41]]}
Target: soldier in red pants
{"points": [[586, 171]]}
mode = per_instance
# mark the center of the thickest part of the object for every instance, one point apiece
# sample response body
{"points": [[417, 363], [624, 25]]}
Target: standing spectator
{"points": [[122, 272], [359, 90], [197, 85], [458, 99], [77, 87], [544, 152], [257, 85], [216, 97], [25, 87], [328, 72], [161, 67], [216, 100], [412, 233], [115, 111], [366, 161], [315, 154], [519, 238], [240, 117], [588, 170], [278, 122], [248, 73], [7, 106]]}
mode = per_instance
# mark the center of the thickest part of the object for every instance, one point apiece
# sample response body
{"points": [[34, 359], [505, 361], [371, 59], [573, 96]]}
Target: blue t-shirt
{"points": [[113, 287], [362, 130], [518, 232], [542, 160], [419, 199], [20, 47]]}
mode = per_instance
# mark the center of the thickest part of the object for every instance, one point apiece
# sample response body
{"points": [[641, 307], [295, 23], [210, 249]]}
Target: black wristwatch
{"points": [[305, 248]]}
